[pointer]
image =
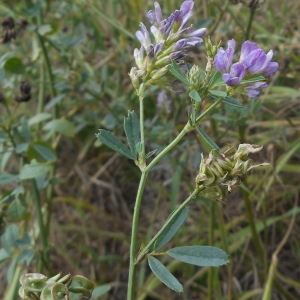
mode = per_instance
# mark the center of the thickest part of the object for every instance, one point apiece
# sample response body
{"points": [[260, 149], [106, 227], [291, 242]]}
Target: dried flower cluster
{"points": [[38, 286], [224, 171]]}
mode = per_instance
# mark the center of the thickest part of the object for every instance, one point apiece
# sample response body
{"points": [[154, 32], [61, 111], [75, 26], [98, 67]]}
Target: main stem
{"points": [[134, 231], [137, 206]]}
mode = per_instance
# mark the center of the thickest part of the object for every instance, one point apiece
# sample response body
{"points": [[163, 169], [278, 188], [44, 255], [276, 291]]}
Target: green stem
{"points": [[255, 236], [211, 237], [212, 107], [134, 231], [142, 157], [137, 207], [39, 212], [181, 134], [217, 22], [252, 13]]}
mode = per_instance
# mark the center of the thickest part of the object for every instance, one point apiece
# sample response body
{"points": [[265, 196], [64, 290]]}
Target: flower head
{"points": [[173, 40], [253, 62]]}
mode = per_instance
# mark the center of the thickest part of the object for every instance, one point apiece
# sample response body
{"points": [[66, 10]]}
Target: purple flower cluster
{"points": [[173, 39], [252, 63]]}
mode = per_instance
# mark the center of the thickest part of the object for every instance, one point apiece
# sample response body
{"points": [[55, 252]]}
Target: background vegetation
{"points": [[66, 201]]}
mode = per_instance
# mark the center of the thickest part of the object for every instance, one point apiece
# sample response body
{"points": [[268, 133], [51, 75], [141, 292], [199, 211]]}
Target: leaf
{"points": [[175, 70], [62, 126], [54, 101], [44, 150], [9, 238], [218, 93], [16, 211], [252, 80], [195, 96], [39, 118], [44, 29], [171, 229], [216, 80], [207, 140], [20, 148], [73, 41], [4, 255], [232, 102], [34, 170], [100, 290], [151, 153], [7, 178], [132, 131], [14, 65], [203, 256], [114, 143], [164, 275]]}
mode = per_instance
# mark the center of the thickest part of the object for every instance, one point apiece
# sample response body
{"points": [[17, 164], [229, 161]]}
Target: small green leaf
{"points": [[164, 275], [7, 178], [132, 131], [195, 96], [100, 290], [171, 229], [218, 93], [54, 101], [9, 238], [203, 256], [209, 143], [232, 102], [16, 211], [216, 80], [22, 147], [27, 255], [44, 150], [4, 255], [151, 153], [62, 126], [114, 143], [254, 79], [39, 118], [14, 65], [73, 41], [175, 70], [34, 170], [44, 29]]}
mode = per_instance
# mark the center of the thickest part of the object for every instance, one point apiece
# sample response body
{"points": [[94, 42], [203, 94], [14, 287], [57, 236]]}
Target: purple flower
{"points": [[173, 40], [252, 63], [253, 90], [143, 36], [236, 75], [256, 61], [223, 58]]}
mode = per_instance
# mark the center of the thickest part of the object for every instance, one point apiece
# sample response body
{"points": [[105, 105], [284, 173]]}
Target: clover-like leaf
{"points": [[114, 143], [204, 256], [171, 229], [164, 275]]}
